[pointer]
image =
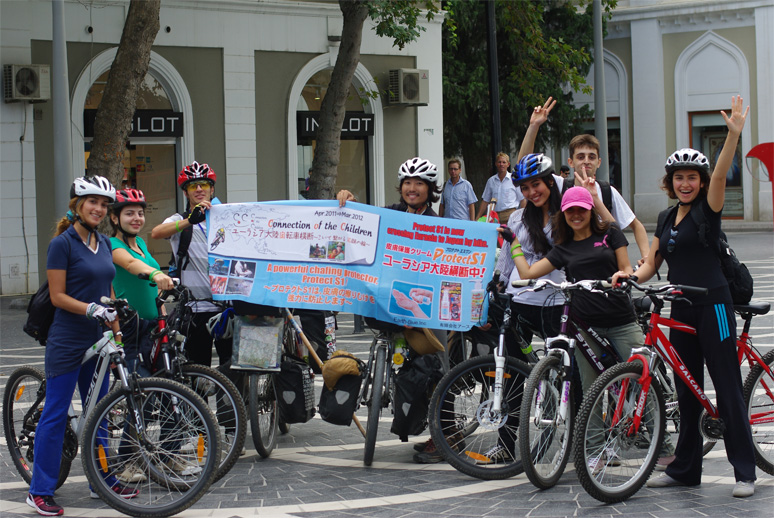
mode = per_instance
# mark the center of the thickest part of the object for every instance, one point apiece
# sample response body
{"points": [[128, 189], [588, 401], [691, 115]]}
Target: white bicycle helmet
{"points": [[98, 185], [418, 168], [221, 326], [687, 158]]}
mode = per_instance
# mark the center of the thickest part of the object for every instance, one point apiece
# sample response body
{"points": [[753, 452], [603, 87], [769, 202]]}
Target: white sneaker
{"points": [[132, 475], [184, 469], [611, 457], [743, 489]]}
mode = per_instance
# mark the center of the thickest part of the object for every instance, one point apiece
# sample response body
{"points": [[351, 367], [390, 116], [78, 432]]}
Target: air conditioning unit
{"points": [[409, 86], [27, 83]]}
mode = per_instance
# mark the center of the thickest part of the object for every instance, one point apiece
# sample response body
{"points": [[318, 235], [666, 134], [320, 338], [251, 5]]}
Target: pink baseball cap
{"points": [[577, 197]]}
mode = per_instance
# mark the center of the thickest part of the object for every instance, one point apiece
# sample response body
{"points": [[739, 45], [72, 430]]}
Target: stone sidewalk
{"points": [[317, 471]]}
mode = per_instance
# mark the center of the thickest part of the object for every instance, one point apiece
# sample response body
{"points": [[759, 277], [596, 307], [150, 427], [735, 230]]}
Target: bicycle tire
{"points": [[463, 429], [758, 388], [263, 412], [545, 438], [611, 463], [23, 388], [172, 417], [229, 410], [375, 405]]}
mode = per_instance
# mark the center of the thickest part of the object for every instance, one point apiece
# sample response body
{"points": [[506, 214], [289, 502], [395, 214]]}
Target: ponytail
{"points": [[70, 217]]}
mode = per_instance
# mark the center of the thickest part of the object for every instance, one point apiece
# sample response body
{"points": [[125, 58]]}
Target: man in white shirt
{"points": [[500, 188]]}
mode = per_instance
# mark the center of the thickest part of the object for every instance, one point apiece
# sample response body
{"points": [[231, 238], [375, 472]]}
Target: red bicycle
{"points": [[622, 420]]}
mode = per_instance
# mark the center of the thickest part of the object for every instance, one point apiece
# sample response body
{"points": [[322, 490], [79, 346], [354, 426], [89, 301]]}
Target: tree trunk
{"points": [[114, 115], [325, 164]]}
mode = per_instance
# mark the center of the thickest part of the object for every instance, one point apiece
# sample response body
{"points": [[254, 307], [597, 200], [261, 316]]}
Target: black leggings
{"points": [[198, 344], [715, 344]]}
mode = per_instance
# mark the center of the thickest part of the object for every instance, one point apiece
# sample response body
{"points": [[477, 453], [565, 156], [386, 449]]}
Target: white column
{"points": [[648, 107], [18, 206], [239, 94], [763, 113]]}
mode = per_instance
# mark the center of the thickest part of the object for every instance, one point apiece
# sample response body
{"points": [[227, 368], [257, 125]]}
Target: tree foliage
{"points": [[543, 50], [396, 19]]}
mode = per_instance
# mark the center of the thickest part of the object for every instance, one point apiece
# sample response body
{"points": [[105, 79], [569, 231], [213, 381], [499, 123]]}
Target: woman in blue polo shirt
{"points": [[80, 271]]}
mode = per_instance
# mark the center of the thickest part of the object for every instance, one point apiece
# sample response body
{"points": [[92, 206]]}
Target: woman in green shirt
{"points": [[131, 257]]}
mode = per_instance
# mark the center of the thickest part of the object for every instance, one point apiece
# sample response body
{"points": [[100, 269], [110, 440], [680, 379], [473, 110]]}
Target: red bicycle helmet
{"points": [[194, 172], [126, 197]]}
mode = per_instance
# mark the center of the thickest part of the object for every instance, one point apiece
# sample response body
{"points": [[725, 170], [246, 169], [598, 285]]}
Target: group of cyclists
{"points": [[573, 236]]}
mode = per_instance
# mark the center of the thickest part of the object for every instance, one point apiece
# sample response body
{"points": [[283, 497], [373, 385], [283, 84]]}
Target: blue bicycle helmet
{"points": [[532, 166]]}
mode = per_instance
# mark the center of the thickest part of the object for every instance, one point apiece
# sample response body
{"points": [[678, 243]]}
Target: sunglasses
{"points": [[199, 183], [671, 243]]}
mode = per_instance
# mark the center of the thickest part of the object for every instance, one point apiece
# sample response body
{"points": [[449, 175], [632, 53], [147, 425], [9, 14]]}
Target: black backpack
{"points": [[607, 192], [179, 261], [295, 390], [40, 314], [414, 384], [740, 282]]}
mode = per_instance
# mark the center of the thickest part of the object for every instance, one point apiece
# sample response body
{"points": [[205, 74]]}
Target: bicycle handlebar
{"points": [[668, 290], [541, 284]]}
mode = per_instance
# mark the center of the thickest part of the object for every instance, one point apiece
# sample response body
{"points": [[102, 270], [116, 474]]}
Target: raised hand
{"points": [[737, 119], [588, 183], [540, 113]]}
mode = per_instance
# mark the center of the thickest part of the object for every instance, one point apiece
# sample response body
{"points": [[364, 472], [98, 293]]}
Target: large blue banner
{"points": [[394, 266]]}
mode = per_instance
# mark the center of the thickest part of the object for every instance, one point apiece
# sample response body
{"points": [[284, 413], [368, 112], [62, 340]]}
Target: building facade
{"points": [[233, 83], [670, 67]]}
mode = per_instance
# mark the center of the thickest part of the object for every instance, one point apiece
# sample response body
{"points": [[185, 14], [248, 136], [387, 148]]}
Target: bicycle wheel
{"points": [[23, 401], [474, 437], [227, 406], [375, 404], [544, 441], [263, 412], [613, 461], [759, 397], [461, 346], [173, 476]]}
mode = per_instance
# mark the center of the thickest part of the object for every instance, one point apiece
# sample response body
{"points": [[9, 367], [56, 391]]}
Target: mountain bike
{"points": [[550, 396], [221, 394], [474, 410], [141, 422], [625, 410], [261, 390]]}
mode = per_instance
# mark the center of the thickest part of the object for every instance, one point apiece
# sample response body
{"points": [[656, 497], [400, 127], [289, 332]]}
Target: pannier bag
{"points": [[342, 376], [414, 384], [295, 391]]}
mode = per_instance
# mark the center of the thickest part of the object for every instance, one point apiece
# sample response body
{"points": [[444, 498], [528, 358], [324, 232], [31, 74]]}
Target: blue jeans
{"points": [[49, 436]]}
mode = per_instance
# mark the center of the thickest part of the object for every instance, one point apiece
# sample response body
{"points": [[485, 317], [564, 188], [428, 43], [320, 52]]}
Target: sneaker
{"points": [[612, 458], [132, 475], [420, 446], [663, 462], [664, 481], [743, 489], [184, 469], [205, 388], [432, 455], [44, 505], [495, 455], [122, 491]]}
